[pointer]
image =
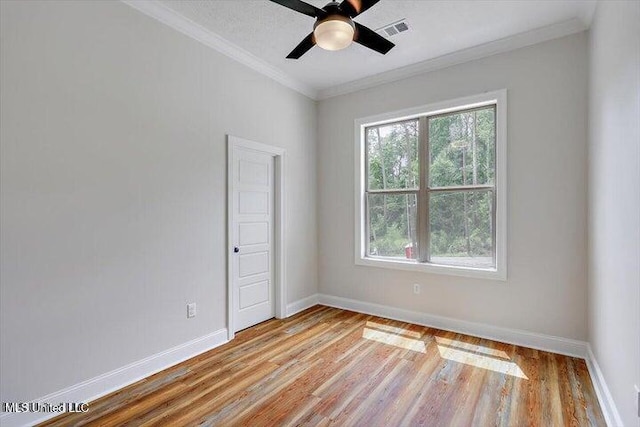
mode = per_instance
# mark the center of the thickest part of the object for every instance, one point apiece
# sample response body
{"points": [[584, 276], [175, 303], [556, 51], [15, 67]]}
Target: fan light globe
{"points": [[334, 33]]}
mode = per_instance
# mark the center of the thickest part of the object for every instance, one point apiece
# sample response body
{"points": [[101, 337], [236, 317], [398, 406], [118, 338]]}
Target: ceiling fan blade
{"points": [[356, 7], [303, 47], [300, 6], [369, 38]]}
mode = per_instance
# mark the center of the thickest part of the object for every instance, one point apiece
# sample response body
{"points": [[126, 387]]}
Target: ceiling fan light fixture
{"points": [[334, 28], [334, 33]]}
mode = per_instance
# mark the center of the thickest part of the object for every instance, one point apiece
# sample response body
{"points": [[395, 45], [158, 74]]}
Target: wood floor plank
{"points": [[569, 408], [332, 367]]}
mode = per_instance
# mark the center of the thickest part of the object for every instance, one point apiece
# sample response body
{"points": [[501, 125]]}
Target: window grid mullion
{"points": [[479, 187], [423, 191], [367, 227], [393, 191], [495, 189], [367, 219]]}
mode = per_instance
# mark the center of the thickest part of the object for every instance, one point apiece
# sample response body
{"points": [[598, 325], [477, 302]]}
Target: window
{"points": [[431, 195]]}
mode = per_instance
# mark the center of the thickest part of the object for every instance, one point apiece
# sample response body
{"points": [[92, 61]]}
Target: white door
{"points": [[252, 250]]}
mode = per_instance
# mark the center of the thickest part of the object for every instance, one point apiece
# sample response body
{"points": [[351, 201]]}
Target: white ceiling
{"points": [[269, 32]]}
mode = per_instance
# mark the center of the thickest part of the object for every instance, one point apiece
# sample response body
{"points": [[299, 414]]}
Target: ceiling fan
{"points": [[334, 28]]}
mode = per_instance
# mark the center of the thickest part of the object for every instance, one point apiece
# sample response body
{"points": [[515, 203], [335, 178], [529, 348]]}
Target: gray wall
{"points": [[614, 200], [547, 147], [114, 188]]}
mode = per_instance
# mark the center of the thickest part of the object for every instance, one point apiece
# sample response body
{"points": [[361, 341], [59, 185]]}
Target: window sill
{"points": [[449, 270]]}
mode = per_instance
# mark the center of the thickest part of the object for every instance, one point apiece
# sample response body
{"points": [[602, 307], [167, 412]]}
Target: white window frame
{"points": [[499, 98]]}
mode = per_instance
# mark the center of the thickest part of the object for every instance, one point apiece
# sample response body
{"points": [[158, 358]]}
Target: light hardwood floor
{"points": [[327, 366]]}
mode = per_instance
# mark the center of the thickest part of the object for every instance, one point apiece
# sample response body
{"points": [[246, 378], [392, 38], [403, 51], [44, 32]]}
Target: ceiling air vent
{"points": [[393, 28]]}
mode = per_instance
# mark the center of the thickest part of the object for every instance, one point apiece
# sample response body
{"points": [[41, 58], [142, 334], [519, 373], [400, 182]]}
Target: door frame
{"points": [[279, 246]]}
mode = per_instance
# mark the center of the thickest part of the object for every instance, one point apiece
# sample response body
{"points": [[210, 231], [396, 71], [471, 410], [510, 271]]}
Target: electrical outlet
{"points": [[637, 399], [416, 288], [191, 310]]}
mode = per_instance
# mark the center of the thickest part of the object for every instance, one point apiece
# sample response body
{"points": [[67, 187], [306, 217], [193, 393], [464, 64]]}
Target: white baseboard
{"points": [[549, 343], [608, 406], [101, 385], [302, 304]]}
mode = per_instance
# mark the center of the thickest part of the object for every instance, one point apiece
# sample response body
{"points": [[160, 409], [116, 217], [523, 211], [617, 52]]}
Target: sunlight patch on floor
{"points": [[472, 347], [394, 339], [393, 329], [473, 358]]}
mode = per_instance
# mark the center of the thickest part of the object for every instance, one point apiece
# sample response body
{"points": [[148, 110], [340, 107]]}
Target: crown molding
{"points": [[588, 11], [507, 44], [169, 17]]}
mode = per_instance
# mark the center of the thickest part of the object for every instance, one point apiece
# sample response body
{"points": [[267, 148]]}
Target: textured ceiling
{"points": [[270, 31]]}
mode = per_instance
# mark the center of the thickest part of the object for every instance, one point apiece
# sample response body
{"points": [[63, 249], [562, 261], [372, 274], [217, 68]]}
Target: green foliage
{"points": [[389, 228], [461, 148], [461, 153], [393, 156], [461, 224]]}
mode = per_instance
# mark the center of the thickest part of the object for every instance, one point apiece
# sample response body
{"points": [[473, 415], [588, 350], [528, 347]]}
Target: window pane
{"points": [[462, 148], [392, 225], [461, 228], [392, 156]]}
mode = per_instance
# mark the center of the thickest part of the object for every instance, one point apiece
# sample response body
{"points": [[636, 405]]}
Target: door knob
{"points": [[236, 249]]}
